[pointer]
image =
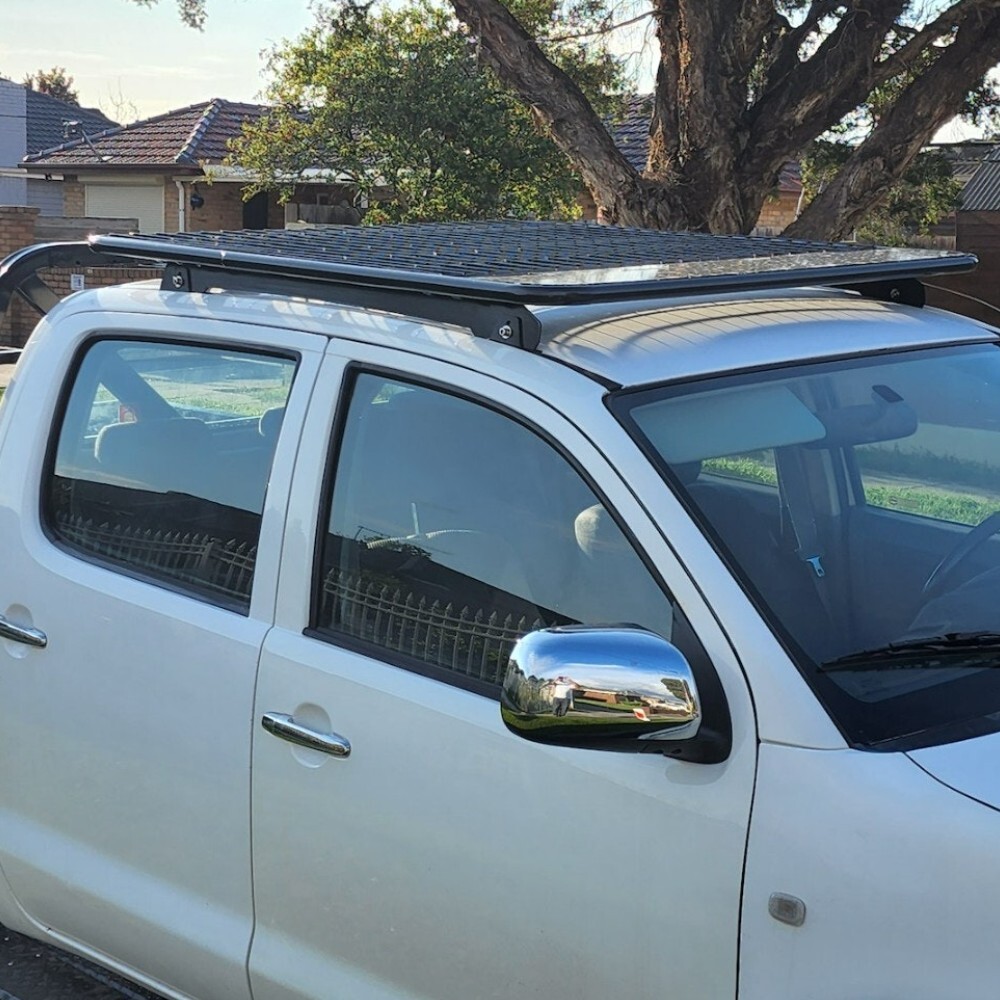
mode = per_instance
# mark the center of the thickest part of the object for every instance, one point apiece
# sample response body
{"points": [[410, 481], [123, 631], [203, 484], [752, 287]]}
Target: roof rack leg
{"points": [[19, 271], [37, 294]]}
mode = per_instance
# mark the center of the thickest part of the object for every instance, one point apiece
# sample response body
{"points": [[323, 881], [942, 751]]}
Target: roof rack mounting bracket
{"points": [[506, 323], [903, 291], [176, 279]]}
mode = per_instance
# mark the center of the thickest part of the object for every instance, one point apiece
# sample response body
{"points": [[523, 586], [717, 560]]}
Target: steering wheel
{"points": [[937, 582]]}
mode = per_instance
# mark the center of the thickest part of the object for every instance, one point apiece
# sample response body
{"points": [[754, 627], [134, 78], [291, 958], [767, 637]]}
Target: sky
{"points": [[117, 50], [144, 61]]}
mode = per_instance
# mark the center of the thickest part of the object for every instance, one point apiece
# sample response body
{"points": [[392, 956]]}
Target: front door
{"points": [[445, 857], [124, 740]]}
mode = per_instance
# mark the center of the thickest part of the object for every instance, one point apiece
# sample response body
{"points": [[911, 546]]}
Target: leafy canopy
{"points": [[395, 102], [54, 82], [742, 87]]}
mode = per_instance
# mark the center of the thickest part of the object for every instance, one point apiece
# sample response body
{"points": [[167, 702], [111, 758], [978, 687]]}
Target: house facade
{"points": [[169, 173], [977, 231], [29, 123]]}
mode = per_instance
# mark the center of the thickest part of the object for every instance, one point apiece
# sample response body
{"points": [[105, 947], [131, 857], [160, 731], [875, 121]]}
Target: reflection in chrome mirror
{"points": [[580, 685]]}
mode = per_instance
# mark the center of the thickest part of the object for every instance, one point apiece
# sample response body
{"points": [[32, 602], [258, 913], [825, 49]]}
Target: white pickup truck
{"points": [[503, 610]]}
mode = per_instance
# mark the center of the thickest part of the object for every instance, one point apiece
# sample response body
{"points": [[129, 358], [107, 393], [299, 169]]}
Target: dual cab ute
{"points": [[503, 610]]}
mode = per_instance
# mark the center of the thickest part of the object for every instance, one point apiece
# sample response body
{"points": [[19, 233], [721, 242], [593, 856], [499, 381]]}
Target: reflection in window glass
{"points": [[163, 459], [454, 530]]}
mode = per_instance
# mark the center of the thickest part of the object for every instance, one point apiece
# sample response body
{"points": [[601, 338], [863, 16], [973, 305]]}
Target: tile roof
{"points": [[630, 128], [186, 137], [964, 157], [46, 117], [200, 132], [630, 131], [982, 193]]}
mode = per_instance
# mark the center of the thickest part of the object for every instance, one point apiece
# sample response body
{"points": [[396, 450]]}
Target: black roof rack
{"points": [[486, 275]]}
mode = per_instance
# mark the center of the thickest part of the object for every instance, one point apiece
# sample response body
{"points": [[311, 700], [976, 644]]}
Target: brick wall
{"points": [[223, 208], [74, 199], [171, 206], [776, 213], [18, 230]]}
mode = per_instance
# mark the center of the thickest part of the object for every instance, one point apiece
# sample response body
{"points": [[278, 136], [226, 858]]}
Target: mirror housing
{"points": [[610, 687]]}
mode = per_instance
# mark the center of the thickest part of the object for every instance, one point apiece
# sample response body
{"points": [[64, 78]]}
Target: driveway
{"points": [[32, 971]]}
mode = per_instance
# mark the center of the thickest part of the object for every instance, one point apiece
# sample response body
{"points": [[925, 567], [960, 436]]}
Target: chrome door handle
{"points": [[22, 633], [286, 728]]}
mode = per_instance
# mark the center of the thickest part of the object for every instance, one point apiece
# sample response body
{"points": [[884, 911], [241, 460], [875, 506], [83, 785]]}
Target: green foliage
{"points": [[192, 12], [948, 501], [926, 193], [396, 103], [751, 468], [959, 508], [53, 82]]}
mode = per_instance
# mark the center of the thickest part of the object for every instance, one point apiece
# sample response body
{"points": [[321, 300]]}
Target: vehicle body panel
{"points": [[969, 767], [150, 822], [125, 757], [443, 827], [897, 873]]}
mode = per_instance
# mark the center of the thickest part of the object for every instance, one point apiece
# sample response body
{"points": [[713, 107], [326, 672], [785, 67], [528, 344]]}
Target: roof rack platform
{"points": [[486, 275]]}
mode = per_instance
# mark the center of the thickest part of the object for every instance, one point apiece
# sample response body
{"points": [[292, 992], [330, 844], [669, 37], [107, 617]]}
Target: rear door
{"points": [[444, 857], [140, 560]]}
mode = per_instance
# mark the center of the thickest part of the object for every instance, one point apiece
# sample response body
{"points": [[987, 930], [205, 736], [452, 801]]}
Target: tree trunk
{"points": [[735, 100]]}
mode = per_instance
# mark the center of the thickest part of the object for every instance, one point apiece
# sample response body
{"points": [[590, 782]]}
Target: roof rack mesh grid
{"points": [[485, 276], [513, 250]]}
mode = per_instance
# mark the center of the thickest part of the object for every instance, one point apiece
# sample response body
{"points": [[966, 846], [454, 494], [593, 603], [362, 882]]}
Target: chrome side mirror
{"points": [[592, 686]]}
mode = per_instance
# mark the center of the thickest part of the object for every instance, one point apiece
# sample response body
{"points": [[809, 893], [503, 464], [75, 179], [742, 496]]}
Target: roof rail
{"points": [[486, 276], [19, 271]]}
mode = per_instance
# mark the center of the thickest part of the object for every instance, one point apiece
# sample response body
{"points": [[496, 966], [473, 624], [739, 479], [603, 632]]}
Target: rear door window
{"points": [[162, 462]]}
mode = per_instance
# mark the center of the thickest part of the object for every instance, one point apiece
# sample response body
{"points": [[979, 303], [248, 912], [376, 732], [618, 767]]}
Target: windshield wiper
{"points": [[979, 649]]}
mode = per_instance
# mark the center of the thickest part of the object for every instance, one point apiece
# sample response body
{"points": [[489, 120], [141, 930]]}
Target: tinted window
{"points": [[843, 494], [162, 462], [453, 530]]}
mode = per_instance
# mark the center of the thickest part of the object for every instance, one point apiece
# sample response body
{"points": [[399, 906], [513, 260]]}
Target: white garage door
{"points": [[127, 201]]}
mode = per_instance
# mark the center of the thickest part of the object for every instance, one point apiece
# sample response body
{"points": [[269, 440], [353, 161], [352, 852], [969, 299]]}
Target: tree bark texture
{"points": [[740, 91]]}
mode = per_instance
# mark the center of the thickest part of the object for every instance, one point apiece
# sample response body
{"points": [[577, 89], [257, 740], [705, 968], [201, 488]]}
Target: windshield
{"points": [[858, 502]]}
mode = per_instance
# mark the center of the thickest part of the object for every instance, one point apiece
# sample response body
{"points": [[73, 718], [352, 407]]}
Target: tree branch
{"points": [[557, 102], [600, 31], [817, 11], [933, 97], [818, 91], [949, 19]]}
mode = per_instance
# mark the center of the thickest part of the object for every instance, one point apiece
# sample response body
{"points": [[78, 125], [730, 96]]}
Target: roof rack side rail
{"points": [[483, 314], [19, 271]]}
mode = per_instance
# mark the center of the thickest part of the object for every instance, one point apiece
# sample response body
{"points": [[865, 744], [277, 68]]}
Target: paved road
{"points": [[32, 971]]}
